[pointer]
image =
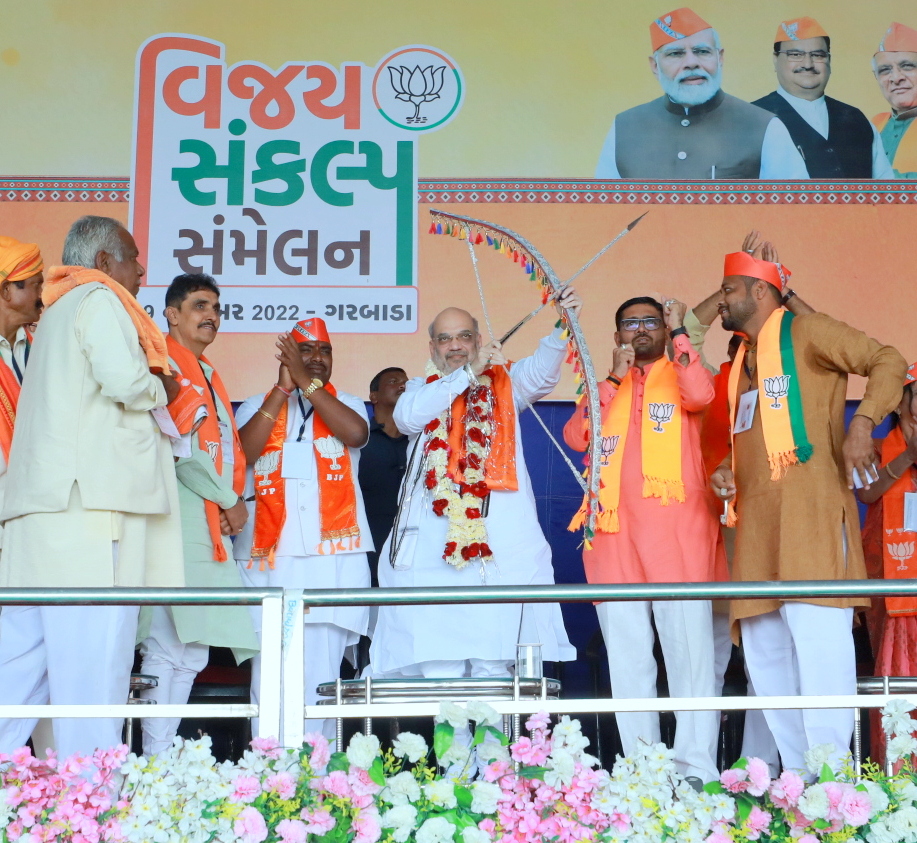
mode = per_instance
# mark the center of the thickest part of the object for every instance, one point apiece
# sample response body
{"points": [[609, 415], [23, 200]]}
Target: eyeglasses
{"points": [[796, 56], [445, 339], [651, 323]]}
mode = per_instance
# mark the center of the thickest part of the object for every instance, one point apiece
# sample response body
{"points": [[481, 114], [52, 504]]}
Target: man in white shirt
{"points": [[836, 140]]}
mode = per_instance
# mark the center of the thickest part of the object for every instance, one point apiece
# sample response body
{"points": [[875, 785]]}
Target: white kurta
{"points": [[407, 635], [298, 563]]}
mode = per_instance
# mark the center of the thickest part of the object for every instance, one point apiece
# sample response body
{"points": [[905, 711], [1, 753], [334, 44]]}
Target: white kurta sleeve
{"points": [[780, 159], [536, 376], [103, 338], [422, 402], [607, 168]]}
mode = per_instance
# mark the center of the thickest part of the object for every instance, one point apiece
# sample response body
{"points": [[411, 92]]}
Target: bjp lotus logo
{"points": [[609, 445], [777, 388], [661, 414], [418, 88], [331, 448], [901, 552], [266, 465]]}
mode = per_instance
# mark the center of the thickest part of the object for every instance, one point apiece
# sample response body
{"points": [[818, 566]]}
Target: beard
{"points": [[738, 315], [689, 95]]}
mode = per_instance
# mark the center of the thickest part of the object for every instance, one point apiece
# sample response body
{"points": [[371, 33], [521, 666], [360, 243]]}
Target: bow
{"points": [[531, 261]]}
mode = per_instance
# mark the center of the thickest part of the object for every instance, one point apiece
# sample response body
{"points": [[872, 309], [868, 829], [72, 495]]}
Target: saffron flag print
{"points": [[295, 188]]}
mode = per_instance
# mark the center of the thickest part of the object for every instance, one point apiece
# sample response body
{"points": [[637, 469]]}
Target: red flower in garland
{"points": [[449, 550], [474, 461], [437, 444], [462, 464], [431, 426], [479, 489], [439, 506], [472, 512], [485, 549], [475, 434], [430, 479], [474, 549]]}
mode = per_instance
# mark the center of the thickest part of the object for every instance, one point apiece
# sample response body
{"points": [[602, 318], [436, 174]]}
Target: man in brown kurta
{"points": [[804, 525]]}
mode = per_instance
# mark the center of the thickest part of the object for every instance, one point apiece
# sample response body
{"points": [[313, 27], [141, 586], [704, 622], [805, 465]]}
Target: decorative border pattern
{"points": [[534, 192]]}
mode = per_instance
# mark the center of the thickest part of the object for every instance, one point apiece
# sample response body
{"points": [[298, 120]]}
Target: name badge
{"points": [[745, 414], [910, 512], [226, 443], [298, 461]]}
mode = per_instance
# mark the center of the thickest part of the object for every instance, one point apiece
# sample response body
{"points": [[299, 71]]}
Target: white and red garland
{"points": [[461, 503]]}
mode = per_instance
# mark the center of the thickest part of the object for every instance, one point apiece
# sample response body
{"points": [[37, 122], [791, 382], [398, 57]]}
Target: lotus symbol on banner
{"points": [[331, 448], [901, 552], [777, 388], [609, 444], [661, 414], [266, 465], [416, 85]]}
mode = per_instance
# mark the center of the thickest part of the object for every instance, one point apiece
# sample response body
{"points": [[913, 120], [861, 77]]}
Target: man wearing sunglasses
{"points": [[836, 140], [657, 523]]}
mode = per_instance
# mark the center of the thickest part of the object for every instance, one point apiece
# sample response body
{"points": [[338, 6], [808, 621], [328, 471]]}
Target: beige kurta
{"points": [[792, 528]]}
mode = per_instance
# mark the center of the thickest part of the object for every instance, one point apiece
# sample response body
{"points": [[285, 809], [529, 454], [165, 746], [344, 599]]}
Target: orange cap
{"points": [[674, 26], [798, 29], [311, 330], [898, 39], [911, 375], [742, 263]]}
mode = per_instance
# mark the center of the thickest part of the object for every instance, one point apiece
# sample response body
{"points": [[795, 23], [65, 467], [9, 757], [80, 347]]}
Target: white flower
{"points": [[723, 807], [879, 832], [456, 756], [401, 789], [436, 830], [483, 714], [453, 714], [441, 792], [561, 769], [484, 797], [900, 746], [896, 717], [410, 746], [491, 751], [401, 820], [814, 803], [877, 796], [472, 834], [905, 791], [363, 750], [818, 756]]}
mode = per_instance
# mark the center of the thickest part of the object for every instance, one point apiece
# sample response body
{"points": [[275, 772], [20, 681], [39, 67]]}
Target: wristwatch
{"points": [[316, 384], [788, 295]]}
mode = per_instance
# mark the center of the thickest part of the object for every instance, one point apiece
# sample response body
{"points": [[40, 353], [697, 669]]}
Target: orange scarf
{"points": [[9, 398], [714, 435], [62, 279], [337, 498], [898, 546], [500, 465], [209, 437]]}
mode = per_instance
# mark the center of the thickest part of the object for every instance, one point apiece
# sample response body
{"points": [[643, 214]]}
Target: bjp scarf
{"points": [[209, 437], [337, 499], [9, 399], [660, 440], [63, 279], [714, 433], [779, 398], [18, 261]]}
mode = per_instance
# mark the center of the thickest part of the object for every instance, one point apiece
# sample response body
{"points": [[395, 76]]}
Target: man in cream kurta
{"points": [[96, 502], [467, 639]]}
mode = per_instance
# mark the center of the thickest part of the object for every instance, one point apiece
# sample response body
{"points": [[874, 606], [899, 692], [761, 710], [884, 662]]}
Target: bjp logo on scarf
{"points": [[661, 414], [609, 444], [266, 465], [777, 388]]}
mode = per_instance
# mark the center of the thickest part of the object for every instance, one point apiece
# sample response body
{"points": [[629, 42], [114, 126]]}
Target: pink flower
{"points": [[269, 747], [735, 781], [283, 784], [759, 776], [620, 821], [367, 827], [496, 770], [247, 789], [718, 837], [855, 808], [786, 790], [22, 757], [808, 838], [488, 825], [526, 751], [336, 783], [757, 822], [250, 826], [318, 821], [321, 751], [539, 721], [292, 831], [361, 783]]}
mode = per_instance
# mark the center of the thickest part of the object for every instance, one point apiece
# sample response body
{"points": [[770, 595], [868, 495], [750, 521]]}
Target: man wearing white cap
{"points": [[695, 130], [836, 140], [895, 66]]}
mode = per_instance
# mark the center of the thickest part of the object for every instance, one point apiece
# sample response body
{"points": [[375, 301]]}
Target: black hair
{"points": [[827, 44], [374, 383], [631, 303], [183, 285]]}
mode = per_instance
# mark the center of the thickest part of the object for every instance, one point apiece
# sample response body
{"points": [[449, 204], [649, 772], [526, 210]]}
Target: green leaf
{"points": [[463, 796], [741, 764], [714, 787], [376, 772], [443, 735], [479, 734], [827, 774], [338, 761], [504, 741], [744, 804], [533, 772], [821, 824]]}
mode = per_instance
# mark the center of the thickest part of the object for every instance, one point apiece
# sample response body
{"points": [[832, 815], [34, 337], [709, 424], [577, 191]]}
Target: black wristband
{"points": [[613, 380], [678, 332], [789, 294]]}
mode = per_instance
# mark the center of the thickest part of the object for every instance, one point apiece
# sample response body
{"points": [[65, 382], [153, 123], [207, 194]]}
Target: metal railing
{"points": [[282, 689]]}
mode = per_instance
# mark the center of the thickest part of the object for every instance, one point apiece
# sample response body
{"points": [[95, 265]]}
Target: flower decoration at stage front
{"points": [[462, 503], [523, 253]]}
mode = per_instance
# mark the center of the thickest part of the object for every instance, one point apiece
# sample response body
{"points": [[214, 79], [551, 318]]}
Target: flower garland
{"points": [[461, 503]]}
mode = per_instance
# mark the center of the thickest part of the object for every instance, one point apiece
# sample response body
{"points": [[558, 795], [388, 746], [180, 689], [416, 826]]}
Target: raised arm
{"points": [[422, 402]]}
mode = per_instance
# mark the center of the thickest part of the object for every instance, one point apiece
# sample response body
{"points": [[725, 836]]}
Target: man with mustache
{"points": [[895, 67], [309, 530], [176, 640], [836, 140], [96, 503], [695, 130], [467, 515], [657, 523], [789, 482]]}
